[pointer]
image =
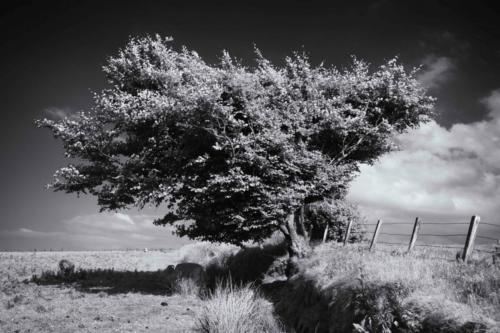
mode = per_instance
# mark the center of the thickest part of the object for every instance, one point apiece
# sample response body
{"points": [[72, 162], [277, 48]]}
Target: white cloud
{"points": [[438, 174], [26, 232], [492, 102], [59, 113], [124, 217], [436, 71], [101, 231]]}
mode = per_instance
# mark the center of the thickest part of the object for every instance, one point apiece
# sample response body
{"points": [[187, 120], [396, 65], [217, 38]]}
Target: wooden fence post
{"points": [[348, 231], [414, 234], [471, 236], [496, 254], [375, 234], [325, 233]]}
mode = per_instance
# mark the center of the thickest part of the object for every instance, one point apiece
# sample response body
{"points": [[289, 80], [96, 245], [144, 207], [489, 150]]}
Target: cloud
{"points": [[492, 102], [438, 174], [124, 217], [26, 232], [59, 113], [100, 231], [437, 70]]}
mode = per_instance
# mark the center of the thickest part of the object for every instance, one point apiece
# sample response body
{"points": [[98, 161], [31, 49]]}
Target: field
{"points": [[124, 291], [27, 307], [337, 288]]}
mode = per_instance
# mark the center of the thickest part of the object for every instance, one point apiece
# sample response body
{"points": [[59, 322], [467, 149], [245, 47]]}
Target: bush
{"points": [[237, 309], [204, 253], [336, 214]]}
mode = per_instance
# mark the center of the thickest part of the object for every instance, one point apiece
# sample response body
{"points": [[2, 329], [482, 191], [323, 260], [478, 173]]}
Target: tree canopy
{"points": [[234, 149]]}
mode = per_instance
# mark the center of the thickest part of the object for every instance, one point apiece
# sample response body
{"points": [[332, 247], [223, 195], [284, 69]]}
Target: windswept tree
{"points": [[238, 151]]}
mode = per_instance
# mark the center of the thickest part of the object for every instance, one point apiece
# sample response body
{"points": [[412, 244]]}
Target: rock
{"points": [[170, 269], [66, 267], [164, 304], [192, 271]]}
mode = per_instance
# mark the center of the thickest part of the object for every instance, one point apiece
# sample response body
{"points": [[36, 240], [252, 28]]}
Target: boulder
{"points": [[191, 271], [170, 269], [66, 267]]}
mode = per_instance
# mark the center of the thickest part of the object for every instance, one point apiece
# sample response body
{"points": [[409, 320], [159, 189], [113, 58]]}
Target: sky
{"points": [[53, 51]]}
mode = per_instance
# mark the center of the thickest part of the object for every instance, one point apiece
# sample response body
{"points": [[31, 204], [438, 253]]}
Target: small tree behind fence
{"points": [[415, 236]]}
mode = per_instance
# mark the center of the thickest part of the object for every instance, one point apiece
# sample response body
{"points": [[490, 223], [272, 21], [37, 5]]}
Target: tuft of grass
{"points": [[239, 309], [187, 288]]}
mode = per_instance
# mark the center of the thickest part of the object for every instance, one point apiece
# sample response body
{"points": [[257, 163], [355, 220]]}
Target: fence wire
{"points": [[491, 224], [391, 243], [397, 233], [443, 235], [440, 223], [440, 246], [486, 237]]}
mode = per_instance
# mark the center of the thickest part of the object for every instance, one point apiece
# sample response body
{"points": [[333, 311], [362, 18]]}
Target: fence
{"points": [[416, 235]]}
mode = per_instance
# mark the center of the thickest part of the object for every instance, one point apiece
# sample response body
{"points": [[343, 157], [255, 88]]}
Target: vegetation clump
{"points": [[231, 308]]}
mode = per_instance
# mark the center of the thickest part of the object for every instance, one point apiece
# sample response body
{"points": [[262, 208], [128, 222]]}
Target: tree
{"points": [[236, 150]]}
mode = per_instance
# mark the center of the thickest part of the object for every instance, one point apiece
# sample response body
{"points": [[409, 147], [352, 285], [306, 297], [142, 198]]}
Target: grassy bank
{"points": [[339, 288]]}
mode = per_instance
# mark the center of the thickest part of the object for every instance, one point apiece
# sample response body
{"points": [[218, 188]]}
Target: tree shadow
{"points": [[249, 265], [111, 281]]}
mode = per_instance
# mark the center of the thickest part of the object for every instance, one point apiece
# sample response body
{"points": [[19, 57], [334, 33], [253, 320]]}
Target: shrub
{"points": [[237, 309], [336, 214], [204, 252], [66, 268]]}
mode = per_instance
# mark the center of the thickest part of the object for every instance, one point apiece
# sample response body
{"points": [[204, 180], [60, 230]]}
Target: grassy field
{"points": [[27, 307], [338, 289], [124, 291]]}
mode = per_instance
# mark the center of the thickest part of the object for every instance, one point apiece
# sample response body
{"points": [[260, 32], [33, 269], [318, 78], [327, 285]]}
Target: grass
{"points": [[417, 290], [239, 309], [187, 288]]}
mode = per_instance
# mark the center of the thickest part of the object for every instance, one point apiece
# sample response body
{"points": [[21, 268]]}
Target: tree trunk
{"points": [[298, 243]]}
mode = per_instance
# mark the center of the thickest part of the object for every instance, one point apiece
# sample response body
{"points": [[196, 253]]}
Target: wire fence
{"points": [[482, 237]]}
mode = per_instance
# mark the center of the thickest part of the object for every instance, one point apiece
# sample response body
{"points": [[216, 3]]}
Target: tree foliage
{"points": [[235, 149]]}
